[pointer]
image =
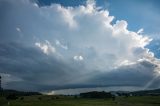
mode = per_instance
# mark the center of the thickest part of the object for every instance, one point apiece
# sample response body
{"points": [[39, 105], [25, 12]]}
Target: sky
{"points": [[58, 44]]}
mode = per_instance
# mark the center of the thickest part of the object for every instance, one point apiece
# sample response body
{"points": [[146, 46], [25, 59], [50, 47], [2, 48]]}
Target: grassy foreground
{"points": [[72, 101]]}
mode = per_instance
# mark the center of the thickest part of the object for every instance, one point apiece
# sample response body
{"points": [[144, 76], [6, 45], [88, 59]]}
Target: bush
{"points": [[11, 97]]}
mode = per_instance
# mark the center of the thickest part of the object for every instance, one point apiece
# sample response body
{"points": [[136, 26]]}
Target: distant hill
{"points": [[147, 92], [103, 94], [96, 94], [17, 93]]}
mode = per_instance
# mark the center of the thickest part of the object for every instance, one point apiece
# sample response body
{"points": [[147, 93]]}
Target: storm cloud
{"points": [[48, 47]]}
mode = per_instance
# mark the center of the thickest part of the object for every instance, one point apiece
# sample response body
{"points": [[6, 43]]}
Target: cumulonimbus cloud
{"points": [[81, 43]]}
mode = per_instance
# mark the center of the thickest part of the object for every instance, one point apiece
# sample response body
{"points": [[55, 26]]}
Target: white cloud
{"points": [[46, 47], [140, 31], [78, 58], [67, 16], [126, 62]]}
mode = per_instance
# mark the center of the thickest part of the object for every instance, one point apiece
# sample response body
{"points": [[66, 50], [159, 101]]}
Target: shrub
{"points": [[11, 97]]}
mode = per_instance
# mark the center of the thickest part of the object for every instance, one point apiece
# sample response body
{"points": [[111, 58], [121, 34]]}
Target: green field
{"points": [[72, 101]]}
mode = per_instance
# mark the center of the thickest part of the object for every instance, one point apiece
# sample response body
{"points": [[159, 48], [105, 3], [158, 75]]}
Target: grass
{"points": [[71, 101]]}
